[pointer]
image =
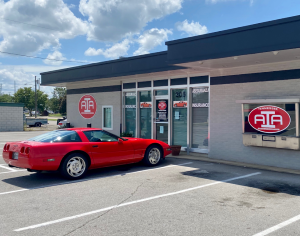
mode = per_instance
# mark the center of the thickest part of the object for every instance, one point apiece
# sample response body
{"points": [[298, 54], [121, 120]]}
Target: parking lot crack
{"points": [[106, 212]]}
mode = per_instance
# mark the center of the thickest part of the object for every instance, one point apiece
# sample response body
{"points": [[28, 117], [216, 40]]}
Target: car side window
{"points": [[67, 137], [100, 136]]}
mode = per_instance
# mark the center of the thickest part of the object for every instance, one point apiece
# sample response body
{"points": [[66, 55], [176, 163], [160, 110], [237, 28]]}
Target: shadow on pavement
{"points": [[48, 179], [277, 184]]}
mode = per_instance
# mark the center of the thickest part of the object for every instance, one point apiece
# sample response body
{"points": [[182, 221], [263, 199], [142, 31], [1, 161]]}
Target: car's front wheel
{"points": [[153, 155], [74, 166]]}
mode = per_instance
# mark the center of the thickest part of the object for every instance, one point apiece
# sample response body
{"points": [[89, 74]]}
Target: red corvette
{"points": [[74, 151]]}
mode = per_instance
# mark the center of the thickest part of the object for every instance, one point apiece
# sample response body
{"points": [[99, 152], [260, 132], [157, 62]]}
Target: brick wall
{"points": [[226, 123], [11, 118]]}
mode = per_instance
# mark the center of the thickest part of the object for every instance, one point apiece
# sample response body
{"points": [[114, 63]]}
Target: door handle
{"points": [[95, 145]]}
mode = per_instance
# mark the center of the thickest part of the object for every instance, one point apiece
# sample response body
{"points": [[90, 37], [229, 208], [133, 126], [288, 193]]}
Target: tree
{"points": [[27, 96], [6, 98], [41, 100], [58, 101]]}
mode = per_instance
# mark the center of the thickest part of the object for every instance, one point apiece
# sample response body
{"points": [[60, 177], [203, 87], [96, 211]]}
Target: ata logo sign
{"points": [[87, 106], [162, 106], [269, 119]]}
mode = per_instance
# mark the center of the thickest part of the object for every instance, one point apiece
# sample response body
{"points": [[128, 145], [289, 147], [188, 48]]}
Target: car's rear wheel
{"points": [[74, 166], [153, 155]]}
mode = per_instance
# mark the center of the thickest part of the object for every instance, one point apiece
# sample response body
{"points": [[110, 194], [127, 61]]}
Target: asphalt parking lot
{"points": [[179, 197]]}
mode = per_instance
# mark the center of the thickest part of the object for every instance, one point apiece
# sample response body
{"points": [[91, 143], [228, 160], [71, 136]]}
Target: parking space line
{"points": [[9, 172], [134, 202], [6, 167], [279, 226], [87, 179]]}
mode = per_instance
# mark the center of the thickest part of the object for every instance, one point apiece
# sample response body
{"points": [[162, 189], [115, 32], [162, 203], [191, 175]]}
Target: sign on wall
{"points": [[87, 106], [269, 119]]}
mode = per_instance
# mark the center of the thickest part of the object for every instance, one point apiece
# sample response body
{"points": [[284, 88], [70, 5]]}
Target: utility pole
{"points": [[35, 97], [0, 89]]}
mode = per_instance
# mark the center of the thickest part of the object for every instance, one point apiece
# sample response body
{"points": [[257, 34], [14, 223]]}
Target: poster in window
{"points": [[162, 111]]}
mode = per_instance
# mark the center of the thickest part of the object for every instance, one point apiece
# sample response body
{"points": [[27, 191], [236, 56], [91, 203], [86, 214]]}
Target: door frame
{"points": [[155, 98]]}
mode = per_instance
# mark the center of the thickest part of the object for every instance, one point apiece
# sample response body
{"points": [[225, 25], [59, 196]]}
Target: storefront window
{"points": [[145, 114], [107, 117], [130, 113], [200, 108], [179, 115], [161, 92], [266, 122]]}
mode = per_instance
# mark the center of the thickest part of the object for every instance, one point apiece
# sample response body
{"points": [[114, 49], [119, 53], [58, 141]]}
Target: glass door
{"points": [[161, 122]]}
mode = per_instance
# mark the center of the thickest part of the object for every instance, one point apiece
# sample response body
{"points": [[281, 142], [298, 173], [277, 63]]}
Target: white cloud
{"points": [[7, 78], [46, 14], [117, 50], [56, 55], [24, 76], [216, 1], [150, 39], [112, 20], [193, 28]]}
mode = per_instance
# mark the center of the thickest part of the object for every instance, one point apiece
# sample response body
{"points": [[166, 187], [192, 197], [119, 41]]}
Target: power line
{"points": [[15, 21], [15, 54]]}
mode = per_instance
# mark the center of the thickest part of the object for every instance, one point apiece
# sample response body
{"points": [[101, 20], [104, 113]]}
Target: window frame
{"points": [[111, 119]]}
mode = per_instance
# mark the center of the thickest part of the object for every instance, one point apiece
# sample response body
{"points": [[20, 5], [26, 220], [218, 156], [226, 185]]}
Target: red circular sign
{"points": [[162, 106], [87, 106], [269, 119]]}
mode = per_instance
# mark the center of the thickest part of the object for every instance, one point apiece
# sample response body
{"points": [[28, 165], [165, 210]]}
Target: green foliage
{"points": [[41, 100], [6, 98], [27, 96], [58, 102]]}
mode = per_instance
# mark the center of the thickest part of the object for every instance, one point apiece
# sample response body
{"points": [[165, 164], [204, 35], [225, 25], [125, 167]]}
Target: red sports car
{"points": [[74, 151]]}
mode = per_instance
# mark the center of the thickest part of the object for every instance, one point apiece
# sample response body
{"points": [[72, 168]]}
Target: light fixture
{"points": [[200, 62], [275, 53], [235, 58]]}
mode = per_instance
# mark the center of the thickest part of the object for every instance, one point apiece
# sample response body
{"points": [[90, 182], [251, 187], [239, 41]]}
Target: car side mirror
{"points": [[120, 140]]}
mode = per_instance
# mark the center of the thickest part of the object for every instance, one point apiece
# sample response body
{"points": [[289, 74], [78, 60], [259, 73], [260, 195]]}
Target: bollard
{"points": [[89, 125], [68, 125]]}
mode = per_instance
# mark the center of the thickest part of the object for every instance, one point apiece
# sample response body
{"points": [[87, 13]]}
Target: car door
{"points": [[106, 149]]}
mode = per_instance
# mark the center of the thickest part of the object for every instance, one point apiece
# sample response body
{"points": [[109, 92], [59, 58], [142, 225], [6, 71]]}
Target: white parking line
{"points": [[279, 226], [6, 167], [9, 172], [133, 202], [82, 180]]}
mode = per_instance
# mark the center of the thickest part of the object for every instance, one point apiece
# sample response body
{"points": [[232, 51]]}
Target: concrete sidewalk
{"points": [[206, 158]]}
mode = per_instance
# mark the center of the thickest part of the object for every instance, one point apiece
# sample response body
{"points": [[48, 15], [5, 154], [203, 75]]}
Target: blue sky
{"points": [[100, 30]]}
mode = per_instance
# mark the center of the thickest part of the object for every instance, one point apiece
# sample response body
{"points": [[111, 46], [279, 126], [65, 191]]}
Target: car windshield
{"points": [[57, 136]]}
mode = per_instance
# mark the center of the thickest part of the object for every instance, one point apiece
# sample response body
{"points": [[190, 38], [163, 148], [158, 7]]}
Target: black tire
{"points": [[154, 160], [37, 124], [75, 162]]}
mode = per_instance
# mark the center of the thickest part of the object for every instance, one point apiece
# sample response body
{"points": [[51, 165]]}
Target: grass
{"points": [[52, 119], [56, 115]]}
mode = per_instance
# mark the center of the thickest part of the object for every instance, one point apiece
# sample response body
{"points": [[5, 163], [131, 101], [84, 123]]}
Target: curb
{"points": [[203, 157]]}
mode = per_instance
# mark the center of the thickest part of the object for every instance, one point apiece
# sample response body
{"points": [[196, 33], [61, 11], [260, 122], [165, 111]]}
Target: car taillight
{"points": [[59, 123], [4, 148], [22, 150], [27, 150], [7, 147]]}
